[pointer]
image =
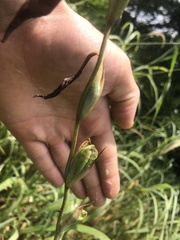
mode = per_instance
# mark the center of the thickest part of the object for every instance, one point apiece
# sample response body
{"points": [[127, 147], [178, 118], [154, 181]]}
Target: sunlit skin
{"points": [[29, 9], [35, 59]]}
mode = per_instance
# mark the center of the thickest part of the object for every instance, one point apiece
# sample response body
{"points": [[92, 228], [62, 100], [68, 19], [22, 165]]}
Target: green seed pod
{"points": [[81, 164], [91, 93], [79, 214], [116, 8]]}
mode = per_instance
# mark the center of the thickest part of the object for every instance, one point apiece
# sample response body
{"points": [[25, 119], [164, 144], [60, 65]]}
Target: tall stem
{"points": [[58, 224], [73, 147], [103, 47], [58, 234]]}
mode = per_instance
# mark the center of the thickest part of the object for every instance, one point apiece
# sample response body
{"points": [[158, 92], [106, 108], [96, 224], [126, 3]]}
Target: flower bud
{"points": [[76, 215], [81, 163], [116, 8], [91, 93]]}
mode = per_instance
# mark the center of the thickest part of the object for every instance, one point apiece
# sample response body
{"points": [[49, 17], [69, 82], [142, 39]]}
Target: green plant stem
{"points": [[59, 234], [74, 140], [73, 147], [77, 123], [103, 47]]}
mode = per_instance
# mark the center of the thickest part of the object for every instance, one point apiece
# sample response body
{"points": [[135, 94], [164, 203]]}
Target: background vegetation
{"points": [[148, 206]]}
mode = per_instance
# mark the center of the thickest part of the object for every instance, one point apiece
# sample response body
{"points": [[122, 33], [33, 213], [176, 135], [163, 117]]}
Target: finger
{"points": [[93, 187], [124, 107], [107, 163], [60, 154], [124, 92], [103, 180], [40, 155]]}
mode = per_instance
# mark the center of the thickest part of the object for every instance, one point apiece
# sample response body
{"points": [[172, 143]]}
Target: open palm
{"points": [[35, 60]]}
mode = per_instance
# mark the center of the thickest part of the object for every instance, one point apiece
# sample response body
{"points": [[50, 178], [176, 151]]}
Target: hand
{"points": [[34, 60]]}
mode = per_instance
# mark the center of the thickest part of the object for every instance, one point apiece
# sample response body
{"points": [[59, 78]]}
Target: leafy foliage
{"points": [[93, 10], [155, 15]]}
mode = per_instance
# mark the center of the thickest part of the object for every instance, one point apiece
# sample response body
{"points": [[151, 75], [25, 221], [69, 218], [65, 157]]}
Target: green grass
{"points": [[146, 208]]}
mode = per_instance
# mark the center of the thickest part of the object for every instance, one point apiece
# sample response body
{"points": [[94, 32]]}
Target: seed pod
{"points": [[81, 163], [91, 93], [76, 215], [116, 8]]}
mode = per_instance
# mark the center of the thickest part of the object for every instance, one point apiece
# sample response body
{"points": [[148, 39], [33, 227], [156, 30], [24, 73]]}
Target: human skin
{"points": [[35, 59]]}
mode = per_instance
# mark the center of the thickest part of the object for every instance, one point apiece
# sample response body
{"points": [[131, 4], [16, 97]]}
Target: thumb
{"points": [[124, 109], [124, 96]]}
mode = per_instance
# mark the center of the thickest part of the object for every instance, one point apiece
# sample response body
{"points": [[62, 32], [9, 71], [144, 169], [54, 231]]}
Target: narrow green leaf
{"points": [[32, 229], [95, 213], [173, 61], [5, 223], [92, 231], [15, 235]]}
